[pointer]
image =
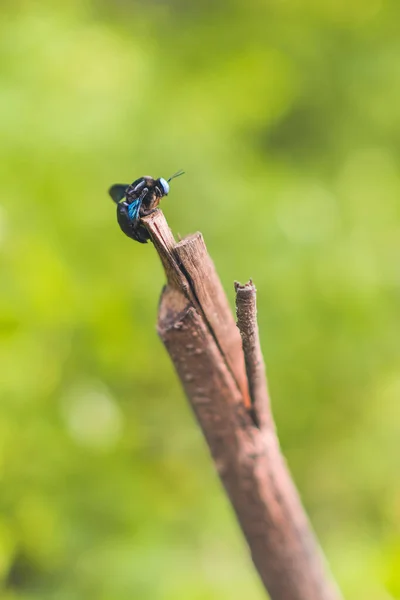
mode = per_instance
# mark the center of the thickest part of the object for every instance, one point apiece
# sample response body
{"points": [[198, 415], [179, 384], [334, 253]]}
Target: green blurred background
{"points": [[285, 116]]}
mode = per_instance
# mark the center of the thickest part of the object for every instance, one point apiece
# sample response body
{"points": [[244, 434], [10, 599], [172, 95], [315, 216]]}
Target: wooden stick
{"points": [[200, 271], [246, 312], [198, 331]]}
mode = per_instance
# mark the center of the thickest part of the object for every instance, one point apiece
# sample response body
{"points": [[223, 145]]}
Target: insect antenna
{"points": [[177, 174]]}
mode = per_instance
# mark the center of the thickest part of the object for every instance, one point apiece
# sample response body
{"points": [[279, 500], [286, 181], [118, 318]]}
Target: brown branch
{"points": [[246, 312], [198, 330], [200, 271]]}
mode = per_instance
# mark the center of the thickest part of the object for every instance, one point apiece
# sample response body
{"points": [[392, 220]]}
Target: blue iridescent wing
{"points": [[117, 191], [133, 209]]}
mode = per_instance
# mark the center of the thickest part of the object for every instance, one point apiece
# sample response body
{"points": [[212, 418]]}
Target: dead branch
{"points": [[246, 312], [224, 380]]}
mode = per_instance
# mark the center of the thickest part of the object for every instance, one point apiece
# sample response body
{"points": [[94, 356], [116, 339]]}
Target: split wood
{"points": [[222, 371]]}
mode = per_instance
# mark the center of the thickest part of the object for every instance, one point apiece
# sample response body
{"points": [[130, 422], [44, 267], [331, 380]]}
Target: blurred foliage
{"points": [[285, 116]]}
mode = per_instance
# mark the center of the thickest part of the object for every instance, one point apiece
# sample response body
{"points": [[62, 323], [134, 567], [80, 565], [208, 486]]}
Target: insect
{"points": [[136, 200]]}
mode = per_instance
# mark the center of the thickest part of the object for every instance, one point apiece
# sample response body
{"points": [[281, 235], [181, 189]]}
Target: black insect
{"points": [[136, 200]]}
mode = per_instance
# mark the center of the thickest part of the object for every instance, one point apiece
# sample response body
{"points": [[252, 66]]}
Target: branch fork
{"points": [[222, 372]]}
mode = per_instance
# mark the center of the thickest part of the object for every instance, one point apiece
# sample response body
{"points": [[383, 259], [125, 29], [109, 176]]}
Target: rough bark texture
{"points": [[226, 387], [200, 271]]}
